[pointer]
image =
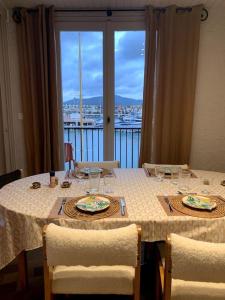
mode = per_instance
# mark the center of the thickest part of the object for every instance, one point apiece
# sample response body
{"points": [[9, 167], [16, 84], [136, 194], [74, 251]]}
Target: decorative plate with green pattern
{"points": [[91, 170], [199, 202], [93, 203]]}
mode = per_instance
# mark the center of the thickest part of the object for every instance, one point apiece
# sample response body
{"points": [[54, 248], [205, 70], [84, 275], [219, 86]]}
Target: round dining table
{"points": [[24, 211]]}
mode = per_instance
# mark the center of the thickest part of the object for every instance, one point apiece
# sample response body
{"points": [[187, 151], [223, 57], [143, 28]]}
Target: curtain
{"points": [[172, 41], [37, 55]]}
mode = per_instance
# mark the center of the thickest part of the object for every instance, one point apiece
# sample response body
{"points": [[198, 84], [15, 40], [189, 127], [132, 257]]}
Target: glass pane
{"points": [[82, 92], [129, 79]]}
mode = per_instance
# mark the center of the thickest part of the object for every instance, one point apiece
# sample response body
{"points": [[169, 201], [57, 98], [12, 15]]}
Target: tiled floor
{"points": [[8, 286]]}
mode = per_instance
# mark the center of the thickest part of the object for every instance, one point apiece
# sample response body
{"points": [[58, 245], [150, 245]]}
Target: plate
{"points": [[91, 170], [199, 202], [93, 203]]}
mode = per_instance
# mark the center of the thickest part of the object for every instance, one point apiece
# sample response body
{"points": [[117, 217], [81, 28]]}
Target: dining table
{"points": [[24, 210]]}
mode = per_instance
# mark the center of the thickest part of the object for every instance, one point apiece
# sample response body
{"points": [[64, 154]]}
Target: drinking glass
{"points": [[175, 174], [159, 173], [94, 181], [109, 183], [206, 182], [184, 180]]}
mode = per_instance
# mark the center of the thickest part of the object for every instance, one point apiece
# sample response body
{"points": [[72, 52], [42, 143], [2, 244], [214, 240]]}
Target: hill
{"points": [[99, 100]]}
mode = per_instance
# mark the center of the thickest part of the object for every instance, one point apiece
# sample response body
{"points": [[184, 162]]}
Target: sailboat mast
{"points": [[81, 95]]}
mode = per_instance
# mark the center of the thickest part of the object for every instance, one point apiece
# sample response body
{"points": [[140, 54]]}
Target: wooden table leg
{"points": [[22, 271]]}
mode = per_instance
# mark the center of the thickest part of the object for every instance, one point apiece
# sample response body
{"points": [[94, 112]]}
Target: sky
{"points": [[129, 64]]}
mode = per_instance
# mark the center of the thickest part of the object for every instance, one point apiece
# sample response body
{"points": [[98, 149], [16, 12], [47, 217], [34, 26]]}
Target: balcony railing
{"points": [[88, 144]]}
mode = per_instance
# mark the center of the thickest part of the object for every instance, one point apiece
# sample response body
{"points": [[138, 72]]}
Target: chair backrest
{"points": [[152, 166], [194, 261], [100, 164], [10, 177], [68, 152], [67, 246]]}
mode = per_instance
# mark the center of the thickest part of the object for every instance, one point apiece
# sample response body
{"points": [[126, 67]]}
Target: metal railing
{"points": [[88, 144]]}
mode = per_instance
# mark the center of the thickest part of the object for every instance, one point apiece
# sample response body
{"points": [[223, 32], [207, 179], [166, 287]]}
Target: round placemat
{"points": [[218, 212], [71, 211]]}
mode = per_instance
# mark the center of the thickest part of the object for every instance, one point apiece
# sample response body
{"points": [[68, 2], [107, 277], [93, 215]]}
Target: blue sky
{"points": [[129, 64]]}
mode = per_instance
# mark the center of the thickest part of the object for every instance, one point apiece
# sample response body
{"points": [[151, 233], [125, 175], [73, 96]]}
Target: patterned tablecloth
{"points": [[24, 211]]}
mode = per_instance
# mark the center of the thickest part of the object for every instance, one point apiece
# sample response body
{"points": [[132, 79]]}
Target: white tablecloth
{"points": [[24, 211]]}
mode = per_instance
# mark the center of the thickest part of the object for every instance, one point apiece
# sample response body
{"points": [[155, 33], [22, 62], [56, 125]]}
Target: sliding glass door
{"points": [[82, 92], [101, 70], [128, 95]]}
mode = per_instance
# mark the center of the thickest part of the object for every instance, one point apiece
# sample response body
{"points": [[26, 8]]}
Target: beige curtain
{"points": [[37, 45], [169, 90]]}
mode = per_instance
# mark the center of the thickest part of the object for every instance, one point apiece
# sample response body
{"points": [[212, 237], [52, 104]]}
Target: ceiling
{"points": [[112, 3]]}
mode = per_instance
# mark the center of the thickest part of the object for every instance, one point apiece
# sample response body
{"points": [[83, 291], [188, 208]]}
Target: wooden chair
{"points": [[21, 258], [68, 154], [10, 177], [100, 164], [91, 261], [193, 270], [152, 166]]}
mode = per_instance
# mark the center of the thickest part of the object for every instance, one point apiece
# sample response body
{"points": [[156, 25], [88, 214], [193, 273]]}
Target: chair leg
{"points": [[22, 271]]}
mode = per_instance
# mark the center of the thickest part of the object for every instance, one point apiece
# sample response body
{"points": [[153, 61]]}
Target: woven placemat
{"points": [[71, 211], [151, 173], [179, 209], [112, 213]]}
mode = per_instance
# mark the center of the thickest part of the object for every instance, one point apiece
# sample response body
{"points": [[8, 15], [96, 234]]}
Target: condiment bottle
{"points": [[52, 179]]}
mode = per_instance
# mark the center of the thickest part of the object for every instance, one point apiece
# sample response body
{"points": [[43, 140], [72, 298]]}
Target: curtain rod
{"points": [[17, 15]]}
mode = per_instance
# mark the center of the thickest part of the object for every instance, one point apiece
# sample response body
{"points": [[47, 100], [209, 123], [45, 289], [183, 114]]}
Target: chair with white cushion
{"points": [[99, 164], [194, 270], [92, 261]]}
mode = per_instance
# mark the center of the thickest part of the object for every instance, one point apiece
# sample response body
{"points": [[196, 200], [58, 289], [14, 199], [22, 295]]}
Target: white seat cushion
{"points": [[93, 280], [193, 290]]}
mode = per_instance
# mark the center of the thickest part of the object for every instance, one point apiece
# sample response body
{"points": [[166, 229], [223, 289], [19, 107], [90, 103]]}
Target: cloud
{"points": [[129, 63]]}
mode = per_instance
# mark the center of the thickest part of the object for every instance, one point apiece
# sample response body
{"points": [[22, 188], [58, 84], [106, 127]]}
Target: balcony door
{"points": [[101, 70]]}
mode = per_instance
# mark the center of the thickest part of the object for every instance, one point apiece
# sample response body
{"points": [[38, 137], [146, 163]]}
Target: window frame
{"points": [[99, 21]]}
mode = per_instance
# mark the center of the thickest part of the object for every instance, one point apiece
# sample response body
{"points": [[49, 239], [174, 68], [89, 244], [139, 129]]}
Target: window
{"points": [[101, 65]]}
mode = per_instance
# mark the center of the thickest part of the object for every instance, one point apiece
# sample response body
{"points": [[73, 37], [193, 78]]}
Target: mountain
{"points": [[99, 100]]}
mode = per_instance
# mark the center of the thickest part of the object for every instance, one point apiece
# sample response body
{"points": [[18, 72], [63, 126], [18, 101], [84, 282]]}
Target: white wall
{"points": [[208, 140]]}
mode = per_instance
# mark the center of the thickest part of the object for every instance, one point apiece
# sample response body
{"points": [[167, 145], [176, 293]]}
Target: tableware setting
{"points": [[89, 207], [194, 205]]}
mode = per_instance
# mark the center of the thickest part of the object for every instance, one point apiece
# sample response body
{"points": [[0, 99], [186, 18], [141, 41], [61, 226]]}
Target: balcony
{"points": [[88, 144]]}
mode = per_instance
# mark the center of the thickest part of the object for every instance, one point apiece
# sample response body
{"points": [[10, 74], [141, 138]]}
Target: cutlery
{"points": [[61, 207], [166, 199], [180, 193], [122, 206]]}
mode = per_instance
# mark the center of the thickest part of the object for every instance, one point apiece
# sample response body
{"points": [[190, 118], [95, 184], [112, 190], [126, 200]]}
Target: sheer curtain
{"points": [[37, 46], [169, 90]]}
